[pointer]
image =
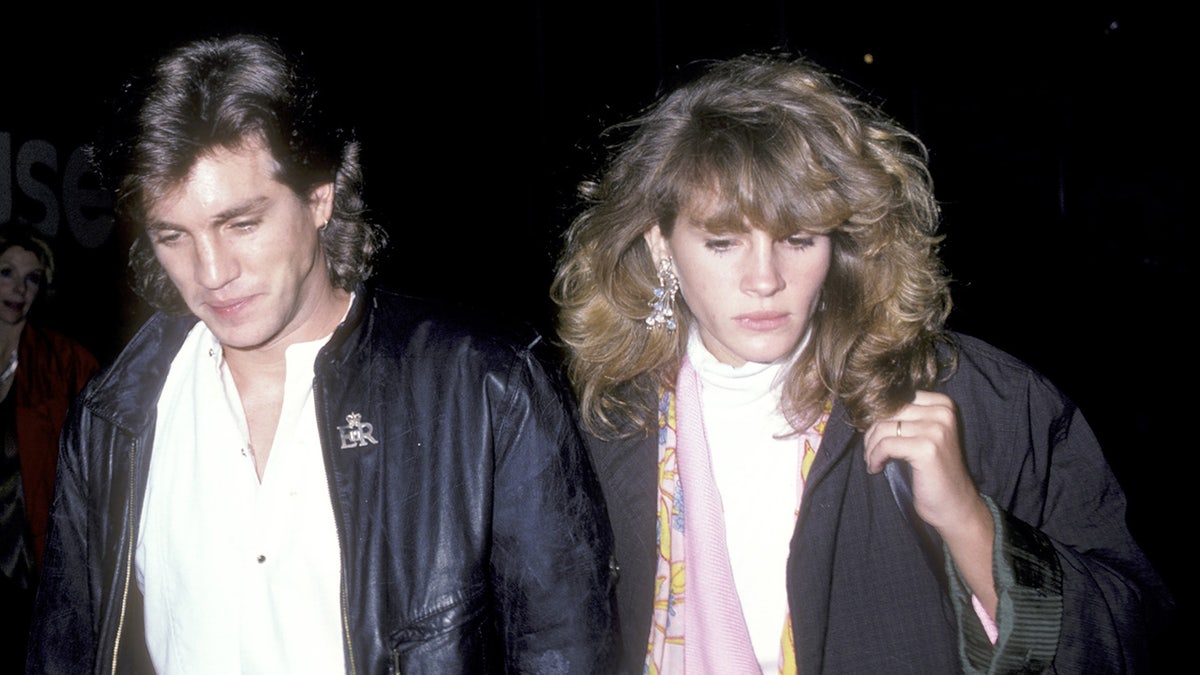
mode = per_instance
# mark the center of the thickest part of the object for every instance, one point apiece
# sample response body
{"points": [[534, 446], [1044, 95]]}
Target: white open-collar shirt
{"points": [[239, 576]]}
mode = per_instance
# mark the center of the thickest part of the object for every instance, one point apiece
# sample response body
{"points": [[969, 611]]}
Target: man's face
{"points": [[243, 250]]}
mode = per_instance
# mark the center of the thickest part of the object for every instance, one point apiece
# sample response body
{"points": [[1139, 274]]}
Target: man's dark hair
{"points": [[222, 93]]}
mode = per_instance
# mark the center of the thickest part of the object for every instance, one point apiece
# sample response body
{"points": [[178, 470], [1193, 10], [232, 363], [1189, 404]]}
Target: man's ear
{"points": [[320, 200]]}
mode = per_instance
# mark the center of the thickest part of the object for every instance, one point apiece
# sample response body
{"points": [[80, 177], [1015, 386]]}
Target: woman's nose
{"points": [[762, 276]]}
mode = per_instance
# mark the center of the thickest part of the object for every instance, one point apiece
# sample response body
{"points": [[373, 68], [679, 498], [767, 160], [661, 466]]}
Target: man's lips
{"points": [[228, 308]]}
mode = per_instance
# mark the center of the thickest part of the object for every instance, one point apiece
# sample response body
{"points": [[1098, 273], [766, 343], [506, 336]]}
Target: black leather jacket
{"points": [[473, 535]]}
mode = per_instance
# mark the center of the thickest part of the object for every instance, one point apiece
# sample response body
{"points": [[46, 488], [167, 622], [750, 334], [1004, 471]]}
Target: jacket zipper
{"points": [[319, 404], [346, 626], [128, 558]]}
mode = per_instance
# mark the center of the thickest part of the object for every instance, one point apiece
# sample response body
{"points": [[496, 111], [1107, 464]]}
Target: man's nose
{"points": [[215, 263]]}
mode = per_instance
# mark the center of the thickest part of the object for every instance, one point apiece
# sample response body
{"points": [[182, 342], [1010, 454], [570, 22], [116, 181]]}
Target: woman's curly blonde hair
{"points": [[784, 148]]}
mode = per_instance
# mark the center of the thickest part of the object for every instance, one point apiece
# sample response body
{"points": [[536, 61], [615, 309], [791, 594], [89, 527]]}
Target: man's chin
{"points": [[240, 340]]}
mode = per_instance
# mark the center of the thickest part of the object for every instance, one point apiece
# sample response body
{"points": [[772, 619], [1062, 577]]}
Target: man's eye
{"points": [[166, 238], [6, 272]]}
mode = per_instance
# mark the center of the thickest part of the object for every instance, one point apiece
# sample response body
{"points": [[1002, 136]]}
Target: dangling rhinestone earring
{"points": [[662, 306]]}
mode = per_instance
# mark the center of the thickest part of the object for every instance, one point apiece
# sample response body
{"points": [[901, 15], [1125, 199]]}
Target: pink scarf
{"points": [[718, 640]]}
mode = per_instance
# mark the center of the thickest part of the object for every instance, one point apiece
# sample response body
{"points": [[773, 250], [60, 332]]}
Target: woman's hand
{"points": [[925, 434]]}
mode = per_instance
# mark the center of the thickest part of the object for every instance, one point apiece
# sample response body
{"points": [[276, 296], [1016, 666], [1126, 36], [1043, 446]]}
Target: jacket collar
{"points": [[835, 443], [126, 393], [364, 299]]}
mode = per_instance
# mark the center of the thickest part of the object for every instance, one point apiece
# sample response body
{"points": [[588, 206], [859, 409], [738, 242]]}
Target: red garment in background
{"points": [[51, 370]]}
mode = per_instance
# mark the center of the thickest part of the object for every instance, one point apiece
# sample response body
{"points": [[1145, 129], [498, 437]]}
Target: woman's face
{"points": [[21, 278], [752, 295]]}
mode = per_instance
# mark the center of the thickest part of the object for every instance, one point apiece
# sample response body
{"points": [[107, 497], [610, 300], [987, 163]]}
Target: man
{"points": [[315, 476]]}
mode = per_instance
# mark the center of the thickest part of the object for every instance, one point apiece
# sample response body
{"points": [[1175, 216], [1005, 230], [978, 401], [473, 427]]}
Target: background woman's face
{"points": [[752, 295], [21, 278]]}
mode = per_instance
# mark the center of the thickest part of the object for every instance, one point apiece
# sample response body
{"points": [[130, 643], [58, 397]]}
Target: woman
{"points": [[804, 469], [41, 370]]}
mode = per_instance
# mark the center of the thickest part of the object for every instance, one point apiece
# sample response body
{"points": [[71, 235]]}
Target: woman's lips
{"points": [[761, 321]]}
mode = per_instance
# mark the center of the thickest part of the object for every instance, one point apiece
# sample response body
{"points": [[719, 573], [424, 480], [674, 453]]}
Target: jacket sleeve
{"points": [[552, 561], [1076, 593]]}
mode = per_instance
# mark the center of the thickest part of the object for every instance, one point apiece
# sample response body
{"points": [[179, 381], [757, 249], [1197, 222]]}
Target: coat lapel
{"points": [[811, 566], [628, 473]]}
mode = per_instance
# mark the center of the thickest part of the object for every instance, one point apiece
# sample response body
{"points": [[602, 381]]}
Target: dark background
{"points": [[1061, 146]]}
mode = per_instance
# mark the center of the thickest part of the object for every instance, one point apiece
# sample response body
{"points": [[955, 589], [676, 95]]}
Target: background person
{"points": [[41, 370], [804, 469]]}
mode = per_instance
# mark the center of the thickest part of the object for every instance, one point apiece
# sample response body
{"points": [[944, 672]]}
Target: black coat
{"points": [[473, 537], [866, 597]]}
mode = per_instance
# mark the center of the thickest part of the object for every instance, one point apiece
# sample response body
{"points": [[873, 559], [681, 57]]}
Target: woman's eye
{"points": [[6, 272], [719, 244], [34, 279], [800, 240], [166, 238]]}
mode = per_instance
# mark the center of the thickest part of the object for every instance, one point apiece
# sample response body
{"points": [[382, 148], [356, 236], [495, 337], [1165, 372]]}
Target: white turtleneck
{"points": [[754, 457]]}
